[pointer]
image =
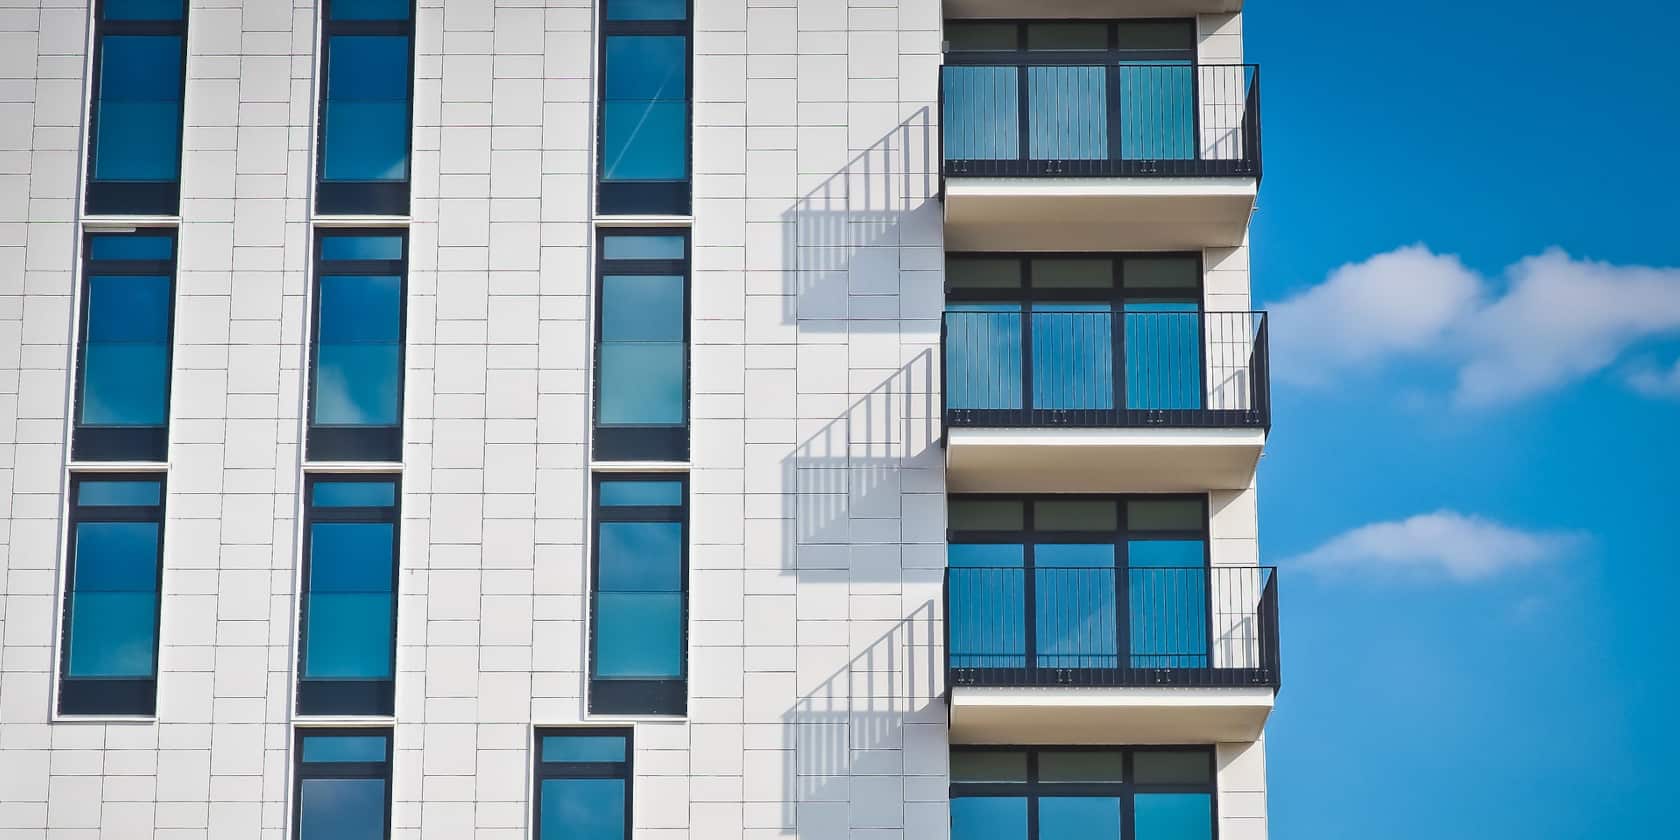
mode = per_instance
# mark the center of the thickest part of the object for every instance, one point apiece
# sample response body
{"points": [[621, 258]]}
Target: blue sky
{"points": [[1494, 661]]}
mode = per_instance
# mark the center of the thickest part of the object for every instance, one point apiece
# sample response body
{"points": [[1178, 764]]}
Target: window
{"points": [[1095, 793], [639, 601], [349, 646], [108, 665], [367, 112], [356, 362], [343, 787], [583, 784], [645, 91], [1039, 333], [1079, 589], [641, 359], [134, 126], [127, 317]]}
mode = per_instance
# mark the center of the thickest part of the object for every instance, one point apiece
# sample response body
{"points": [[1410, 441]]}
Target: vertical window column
{"points": [[348, 648], [367, 107], [583, 784], [641, 358], [134, 126], [343, 787], [356, 361], [123, 375], [108, 663], [638, 660], [645, 135]]}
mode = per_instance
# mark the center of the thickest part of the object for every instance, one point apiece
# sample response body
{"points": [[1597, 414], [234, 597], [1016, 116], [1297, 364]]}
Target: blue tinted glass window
{"points": [[112, 593], [645, 110], [1173, 816], [344, 748], [1077, 619], [361, 248], [1085, 817], [643, 247], [354, 494], [989, 818], [358, 351], [341, 809], [118, 493], [1163, 355], [582, 809], [349, 597], [370, 9], [131, 247], [137, 119], [639, 581], [982, 113], [143, 9], [125, 352], [644, 370], [1167, 582], [1073, 356], [647, 9], [587, 748], [366, 120], [983, 356], [641, 493]]}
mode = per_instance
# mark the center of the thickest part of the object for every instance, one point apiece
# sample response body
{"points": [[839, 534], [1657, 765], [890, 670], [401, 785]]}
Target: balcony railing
{"points": [[1116, 120], [1113, 627], [1106, 369]]}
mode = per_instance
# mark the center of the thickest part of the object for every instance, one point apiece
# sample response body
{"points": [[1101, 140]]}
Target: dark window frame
{"points": [[130, 198], [123, 443], [332, 697], [1022, 56], [1032, 790], [357, 443], [110, 696], [549, 770], [1027, 294], [303, 771], [641, 197], [656, 697], [643, 442], [361, 198]]}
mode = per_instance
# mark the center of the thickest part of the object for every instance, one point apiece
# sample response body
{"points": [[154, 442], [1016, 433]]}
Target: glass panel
{"points": [[1073, 274], [1157, 111], [582, 809], [983, 274], [983, 555], [131, 247], [1163, 356], [1076, 516], [341, 809], [1069, 113], [1166, 515], [349, 636], [1157, 35], [1173, 816], [1172, 768], [646, 110], [361, 248], [586, 748], [330, 749], [366, 125], [370, 9], [1075, 596], [358, 357], [1084, 817], [1073, 356], [987, 607], [1167, 273], [641, 556], [1105, 766], [139, 109], [111, 633], [988, 766], [353, 494], [642, 247], [986, 515], [983, 360], [982, 37], [1067, 36], [638, 635], [350, 556], [989, 818], [116, 556], [647, 9], [118, 493], [642, 308], [641, 494], [1168, 600], [125, 363], [143, 9], [643, 384], [982, 113]]}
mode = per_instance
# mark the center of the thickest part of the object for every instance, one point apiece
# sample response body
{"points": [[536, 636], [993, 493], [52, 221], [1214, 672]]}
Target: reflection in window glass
{"points": [[645, 118], [109, 656], [128, 293], [583, 784], [639, 596], [1173, 816], [641, 403], [356, 386], [343, 784], [989, 818], [349, 597], [366, 107], [1084, 817], [134, 125], [1081, 793]]}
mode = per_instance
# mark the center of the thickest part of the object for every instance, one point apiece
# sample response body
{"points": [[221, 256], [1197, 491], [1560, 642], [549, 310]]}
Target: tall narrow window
{"points": [[583, 784], [639, 603], [343, 784], [645, 91], [134, 126], [367, 112], [349, 647], [355, 398], [108, 665], [122, 382], [641, 363]]}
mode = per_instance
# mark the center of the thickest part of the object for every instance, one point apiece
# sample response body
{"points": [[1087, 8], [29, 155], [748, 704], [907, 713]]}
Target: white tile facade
{"points": [[817, 476]]}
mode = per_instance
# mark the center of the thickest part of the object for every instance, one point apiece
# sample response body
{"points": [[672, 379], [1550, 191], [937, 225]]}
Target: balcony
{"points": [[1104, 402], [1141, 655], [1088, 157]]}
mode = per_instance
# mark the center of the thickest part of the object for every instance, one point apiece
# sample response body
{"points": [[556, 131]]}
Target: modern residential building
{"points": [[536, 419]]}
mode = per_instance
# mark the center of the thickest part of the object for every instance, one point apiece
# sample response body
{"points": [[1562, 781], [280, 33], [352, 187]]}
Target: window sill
{"points": [[111, 223]]}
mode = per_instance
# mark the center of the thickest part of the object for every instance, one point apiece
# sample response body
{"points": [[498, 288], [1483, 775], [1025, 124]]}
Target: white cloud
{"points": [[1555, 320], [1656, 382], [1444, 543]]}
